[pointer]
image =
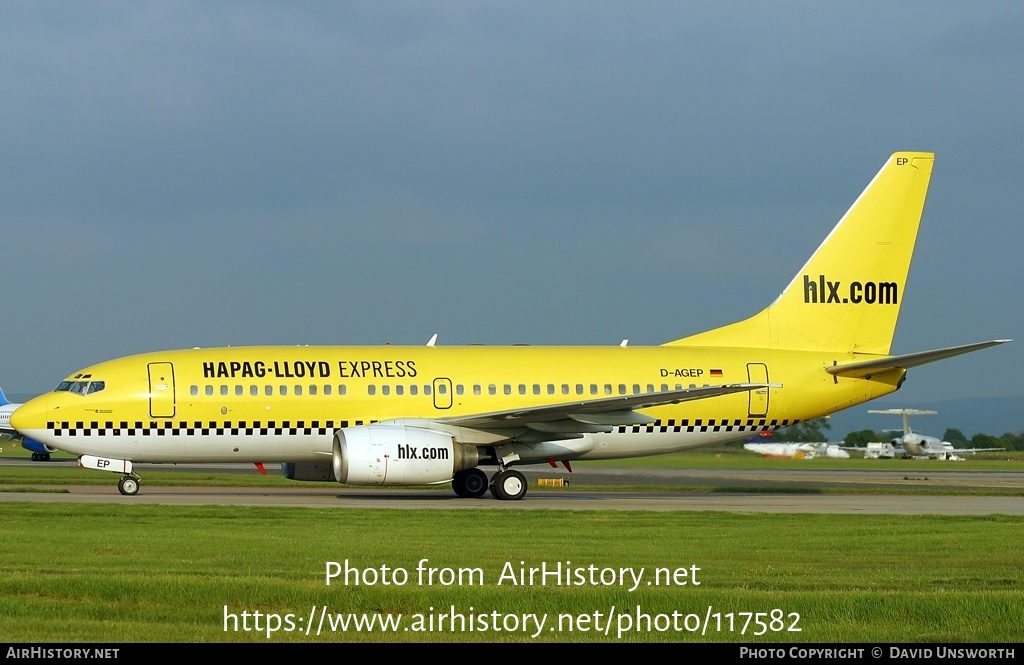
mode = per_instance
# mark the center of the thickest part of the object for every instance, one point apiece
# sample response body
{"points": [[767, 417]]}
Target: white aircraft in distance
{"points": [[40, 452], [912, 444], [419, 415], [798, 450]]}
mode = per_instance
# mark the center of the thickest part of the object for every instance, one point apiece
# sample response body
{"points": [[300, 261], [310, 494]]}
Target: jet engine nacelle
{"points": [[398, 455], [913, 444]]}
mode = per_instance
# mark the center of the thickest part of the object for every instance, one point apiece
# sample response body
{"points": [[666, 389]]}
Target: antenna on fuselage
{"points": [[433, 340]]}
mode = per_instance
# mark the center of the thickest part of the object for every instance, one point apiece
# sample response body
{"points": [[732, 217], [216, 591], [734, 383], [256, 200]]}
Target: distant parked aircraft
{"points": [[40, 453], [798, 450], [912, 444]]}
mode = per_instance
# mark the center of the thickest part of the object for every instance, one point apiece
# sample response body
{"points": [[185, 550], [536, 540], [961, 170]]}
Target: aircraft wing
{"points": [[599, 415], [883, 364]]}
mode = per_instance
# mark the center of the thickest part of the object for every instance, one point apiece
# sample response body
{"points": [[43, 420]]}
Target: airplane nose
{"points": [[32, 415]]}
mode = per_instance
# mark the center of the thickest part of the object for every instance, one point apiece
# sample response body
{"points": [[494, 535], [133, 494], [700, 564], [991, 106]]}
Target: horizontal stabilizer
{"points": [[867, 368]]}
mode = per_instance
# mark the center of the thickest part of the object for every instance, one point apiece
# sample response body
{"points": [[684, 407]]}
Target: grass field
{"points": [[160, 573], [116, 573]]}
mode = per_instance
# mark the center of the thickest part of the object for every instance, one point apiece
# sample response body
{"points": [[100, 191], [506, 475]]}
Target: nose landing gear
{"points": [[128, 485]]}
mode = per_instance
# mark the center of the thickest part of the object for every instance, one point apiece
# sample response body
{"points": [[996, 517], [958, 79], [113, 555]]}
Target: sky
{"points": [[180, 174]]}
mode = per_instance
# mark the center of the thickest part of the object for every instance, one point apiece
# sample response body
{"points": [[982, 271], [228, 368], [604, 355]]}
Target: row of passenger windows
{"points": [[269, 390], [566, 389], [442, 389]]}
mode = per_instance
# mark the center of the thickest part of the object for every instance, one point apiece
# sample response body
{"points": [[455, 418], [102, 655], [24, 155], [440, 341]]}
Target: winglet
{"points": [[3, 398]]}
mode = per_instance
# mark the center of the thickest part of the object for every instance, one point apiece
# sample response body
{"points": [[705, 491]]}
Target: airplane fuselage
{"points": [[284, 404]]}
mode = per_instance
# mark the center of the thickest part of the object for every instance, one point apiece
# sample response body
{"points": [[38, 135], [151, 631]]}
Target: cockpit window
{"points": [[80, 387]]}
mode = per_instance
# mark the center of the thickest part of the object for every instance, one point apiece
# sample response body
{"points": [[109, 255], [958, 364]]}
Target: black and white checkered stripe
{"points": [[323, 428], [711, 425], [207, 428]]}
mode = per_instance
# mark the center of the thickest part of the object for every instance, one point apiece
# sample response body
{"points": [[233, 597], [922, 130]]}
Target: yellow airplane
{"points": [[400, 415]]}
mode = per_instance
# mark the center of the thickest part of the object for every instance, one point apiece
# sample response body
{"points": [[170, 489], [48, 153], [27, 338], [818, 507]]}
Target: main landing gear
{"points": [[506, 485], [470, 483], [40, 457]]}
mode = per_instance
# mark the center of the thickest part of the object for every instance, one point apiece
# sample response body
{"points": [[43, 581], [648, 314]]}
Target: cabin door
{"points": [[442, 393], [161, 390], [758, 405]]}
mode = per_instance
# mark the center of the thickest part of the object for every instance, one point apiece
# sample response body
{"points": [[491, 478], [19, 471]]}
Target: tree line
{"points": [[818, 430]]}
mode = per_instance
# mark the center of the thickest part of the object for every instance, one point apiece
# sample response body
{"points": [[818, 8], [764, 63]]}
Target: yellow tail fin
{"points": [[847, 297]]}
